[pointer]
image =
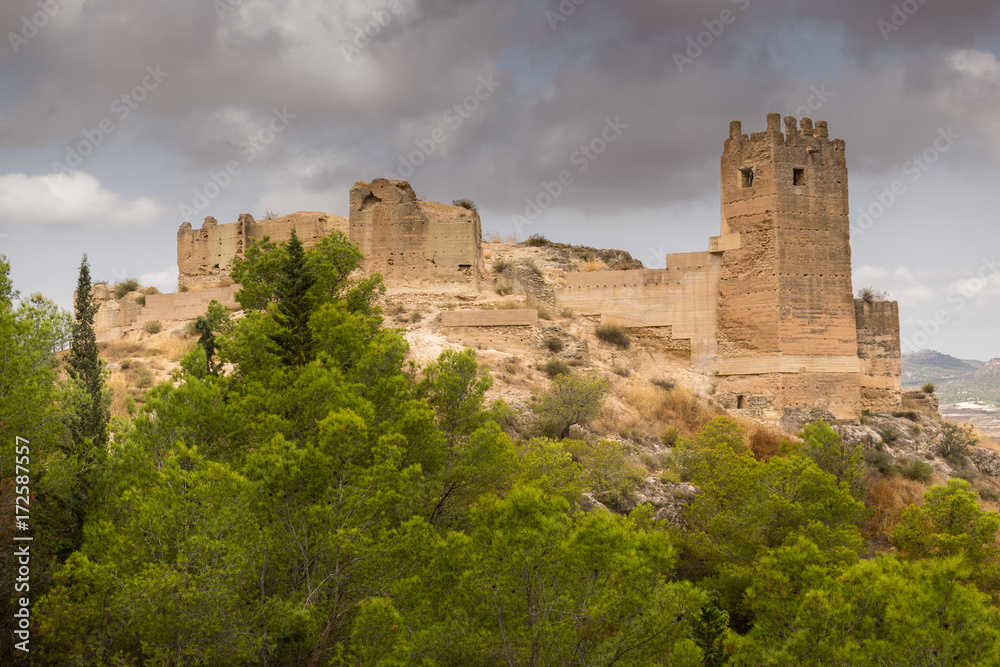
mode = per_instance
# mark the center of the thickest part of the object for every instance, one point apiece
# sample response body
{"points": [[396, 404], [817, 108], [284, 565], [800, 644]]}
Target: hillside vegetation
{"points": [[303, 490]]}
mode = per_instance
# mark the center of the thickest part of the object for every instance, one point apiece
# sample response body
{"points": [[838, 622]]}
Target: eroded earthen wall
{"points": [[205, 256], [683, 296], [878, 350], [412, 242]]}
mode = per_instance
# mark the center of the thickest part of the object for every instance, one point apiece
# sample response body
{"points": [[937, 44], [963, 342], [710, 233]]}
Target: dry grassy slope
{"points": [[140, 360]]}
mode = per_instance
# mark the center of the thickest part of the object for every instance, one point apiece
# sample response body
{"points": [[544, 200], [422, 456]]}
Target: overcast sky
{"points": [[120, 120]]}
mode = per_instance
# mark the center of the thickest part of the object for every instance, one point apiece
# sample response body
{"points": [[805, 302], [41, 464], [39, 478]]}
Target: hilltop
{"points": [[956, 380]]}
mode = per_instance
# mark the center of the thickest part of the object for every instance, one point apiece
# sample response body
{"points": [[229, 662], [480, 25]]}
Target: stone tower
{"points": [[786, 311]]}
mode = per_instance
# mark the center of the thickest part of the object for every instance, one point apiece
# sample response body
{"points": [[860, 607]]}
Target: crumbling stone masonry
{"points": [[769, 309], [205, 256], [412, 242]]}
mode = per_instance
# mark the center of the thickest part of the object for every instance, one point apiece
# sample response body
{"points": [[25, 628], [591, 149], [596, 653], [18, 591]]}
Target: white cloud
{"points": [[73, 198], [903, 285], [165, 281]]}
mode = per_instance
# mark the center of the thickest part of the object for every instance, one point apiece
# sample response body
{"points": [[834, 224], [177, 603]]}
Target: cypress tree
{"points": [[89, 420]]}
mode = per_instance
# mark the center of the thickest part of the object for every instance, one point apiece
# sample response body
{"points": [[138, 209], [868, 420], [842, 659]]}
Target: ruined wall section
{"points": [[412, 242], [205, 256], [878, 349], [683, 297]]}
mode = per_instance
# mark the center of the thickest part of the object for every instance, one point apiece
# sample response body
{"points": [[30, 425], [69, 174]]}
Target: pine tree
{"points": [[295, 304], [89, 419]]}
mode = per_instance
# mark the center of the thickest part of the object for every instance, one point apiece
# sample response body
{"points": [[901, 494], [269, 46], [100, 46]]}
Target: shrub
{"points": [[956, 441], [918, 471], [553, 344], [623, 371], [870, 294], [152, 327], [182, 288], [554, 367], [670, 436], [269, 214], [141, 299], [987, 493], [537, 241], [664, 384], [928, 388], [124, 287], [504, 289], [501, 264], [533, 267], [150, 290], [889, 435], [466, 204], [572, 399], [912, 415], [613, 334], [415, 317], [881, 460], [593, 265]]}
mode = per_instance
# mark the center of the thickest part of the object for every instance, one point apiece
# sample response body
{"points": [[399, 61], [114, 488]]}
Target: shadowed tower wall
{"points": [[786, 317]]}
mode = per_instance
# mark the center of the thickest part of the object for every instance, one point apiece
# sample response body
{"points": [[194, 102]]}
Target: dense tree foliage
{"points": [[300, 494]]}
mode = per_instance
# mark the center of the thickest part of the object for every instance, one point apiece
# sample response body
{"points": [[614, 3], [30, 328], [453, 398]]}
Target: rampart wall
{"points": [[879, 352]]}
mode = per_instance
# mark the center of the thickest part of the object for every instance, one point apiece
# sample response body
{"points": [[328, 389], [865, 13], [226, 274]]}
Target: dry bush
{"points": [[764, 441], [888, 497], [173, 348], [593, 265], [646, 400], [118, 386], [657, 410], [117, 350], [987, 442], [487, 254], [684, 409]]}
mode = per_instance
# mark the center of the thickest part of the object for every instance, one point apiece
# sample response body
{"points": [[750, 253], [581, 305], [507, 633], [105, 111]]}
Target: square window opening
{"points": [[746, 178], [798, 176], [741, 402]]}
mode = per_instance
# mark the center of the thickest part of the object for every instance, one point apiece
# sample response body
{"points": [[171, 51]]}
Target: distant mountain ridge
{"points": [[957, 380]]}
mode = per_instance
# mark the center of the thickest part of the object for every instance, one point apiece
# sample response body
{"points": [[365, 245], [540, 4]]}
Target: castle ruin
{"points": [[769, 309]]}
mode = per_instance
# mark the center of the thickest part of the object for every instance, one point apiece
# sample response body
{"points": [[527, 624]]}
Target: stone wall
{"points": [[185, 305], [205, 256], [785, 299], [113, 316], [683, 297], [490, 318], [411, 242], [878, 349]]}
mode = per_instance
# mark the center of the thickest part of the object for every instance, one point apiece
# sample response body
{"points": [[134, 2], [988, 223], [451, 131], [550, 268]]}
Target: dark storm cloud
{"points": [[675, 73]]}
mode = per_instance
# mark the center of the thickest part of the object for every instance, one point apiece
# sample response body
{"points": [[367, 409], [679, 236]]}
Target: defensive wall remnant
{"points": [[205, 256], [769, 309], [412, 242]]}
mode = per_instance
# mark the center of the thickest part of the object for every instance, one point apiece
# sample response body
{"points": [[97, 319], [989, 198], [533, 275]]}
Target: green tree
{"points": [[33, 408], [846, 463], [533, 584], [810, 609], [572, 399], [89, 421], [951, 523], [744, 507], [295, 304]]}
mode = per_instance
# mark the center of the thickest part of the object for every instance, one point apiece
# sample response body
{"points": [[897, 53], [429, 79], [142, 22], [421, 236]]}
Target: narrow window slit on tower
{"points": [[798, 176], [746, 178]]}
